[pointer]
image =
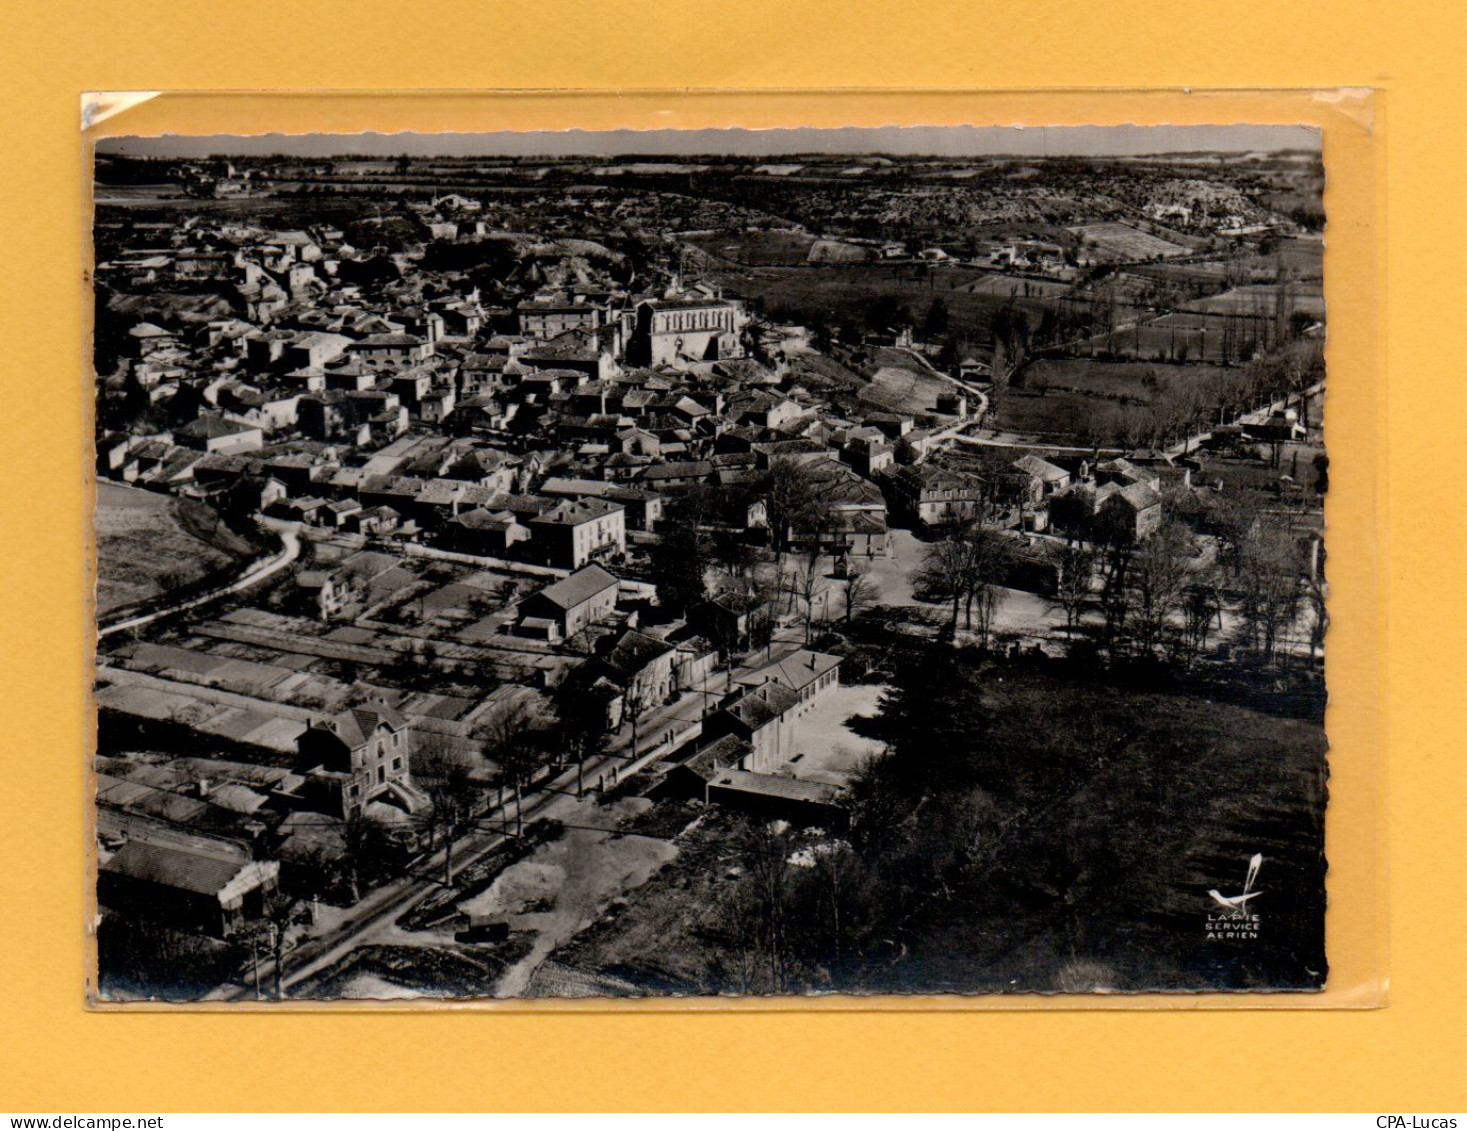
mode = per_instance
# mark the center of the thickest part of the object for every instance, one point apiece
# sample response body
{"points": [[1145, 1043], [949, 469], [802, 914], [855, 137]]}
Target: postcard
{"points": [[710, 562]]}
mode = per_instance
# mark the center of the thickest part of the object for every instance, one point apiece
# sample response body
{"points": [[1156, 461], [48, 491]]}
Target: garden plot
{"points": [[1122, 243]]}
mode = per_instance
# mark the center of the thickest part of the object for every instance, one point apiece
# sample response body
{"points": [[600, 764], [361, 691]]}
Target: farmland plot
{"points": [[1015, 286], [1259, 301], [1122, 243], [846, 293], [1180, 338]]}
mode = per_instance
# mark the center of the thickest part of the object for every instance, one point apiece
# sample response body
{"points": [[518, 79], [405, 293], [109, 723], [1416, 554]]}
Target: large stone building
{"points": [[574, 532], [673, 331], [935, 496], [391, 352], [543, 320], [764, 718], [808, 674]]}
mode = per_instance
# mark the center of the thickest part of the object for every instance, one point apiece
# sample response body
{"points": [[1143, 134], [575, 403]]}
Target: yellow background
{"points": [[56, 1056]]}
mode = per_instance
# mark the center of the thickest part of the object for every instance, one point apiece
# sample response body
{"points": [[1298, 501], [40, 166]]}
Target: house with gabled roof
{"points": [[807, 673], [763, 717], [486, 532], [575, 531], [148, 337], [686, 473], [359, 756], [642, 666], [564, 608], [374, 522], [1044, 478], [391, 352], [1132, 511], [934, 496], [1127, 511], [644, 507], [688, 779], [194, 882]]}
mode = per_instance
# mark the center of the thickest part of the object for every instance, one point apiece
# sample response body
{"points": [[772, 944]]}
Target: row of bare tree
{"points": [[1167, 597], [965, 567], [1163, 596]]}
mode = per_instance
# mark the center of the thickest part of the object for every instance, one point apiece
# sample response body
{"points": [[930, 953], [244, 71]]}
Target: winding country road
{"points": [[290, 550]]}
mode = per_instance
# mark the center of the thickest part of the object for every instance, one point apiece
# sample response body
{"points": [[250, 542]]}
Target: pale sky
{"points": [[945, 141]]}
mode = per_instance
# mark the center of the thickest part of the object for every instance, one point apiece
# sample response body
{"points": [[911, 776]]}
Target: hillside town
{"points": [[628, 576]]}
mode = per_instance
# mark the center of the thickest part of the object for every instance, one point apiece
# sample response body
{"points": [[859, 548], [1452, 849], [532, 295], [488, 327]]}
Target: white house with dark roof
{"points": [[764, 718], [1044, 478], [564, 608], [575, 531], [148, 337], [642, 666], [391, 352], [808, 674], [934, 495], [215, 434]]}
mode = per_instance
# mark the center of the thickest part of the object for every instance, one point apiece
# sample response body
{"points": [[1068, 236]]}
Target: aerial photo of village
{"points": [[860, 565]]}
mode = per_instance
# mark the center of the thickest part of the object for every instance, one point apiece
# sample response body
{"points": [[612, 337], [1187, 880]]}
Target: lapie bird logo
{"points": [[1240, 902], [1236, 920]]}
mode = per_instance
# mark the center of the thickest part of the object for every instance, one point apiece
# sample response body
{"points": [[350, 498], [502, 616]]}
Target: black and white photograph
{"points": [[710, 563]]}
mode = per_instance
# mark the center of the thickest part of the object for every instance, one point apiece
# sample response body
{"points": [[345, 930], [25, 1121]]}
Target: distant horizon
{"points": [[896, 141]]}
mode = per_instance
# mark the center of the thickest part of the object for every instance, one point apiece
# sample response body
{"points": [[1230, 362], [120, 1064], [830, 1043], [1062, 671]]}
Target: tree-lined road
{"points": [[384, 906]]}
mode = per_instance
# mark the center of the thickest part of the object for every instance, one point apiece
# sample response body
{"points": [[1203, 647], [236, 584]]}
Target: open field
{"points": [[343, 210], [905, 388], [1015, 286], [757, 249], [1211, 272], [1126, 287], [1304, 257], [136, 194], [1058, 417], [147, 543], [1133, 381], [1064, 399], [1181, 337], [845, 293], [1123, 243], [839, 251], [1260, 300]]}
